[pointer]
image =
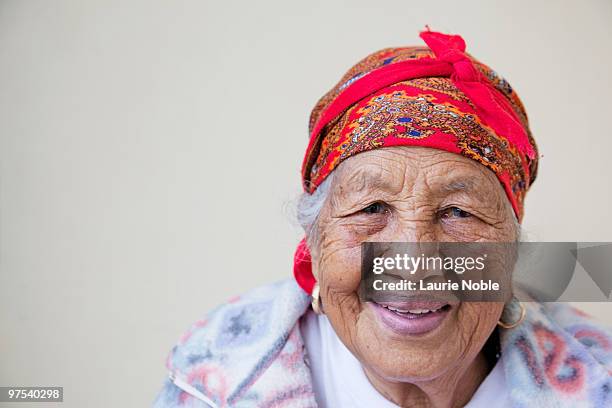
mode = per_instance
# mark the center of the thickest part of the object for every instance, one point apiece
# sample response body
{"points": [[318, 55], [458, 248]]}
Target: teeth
{"points": [[396, 310], [412, 311], [419, 311]]}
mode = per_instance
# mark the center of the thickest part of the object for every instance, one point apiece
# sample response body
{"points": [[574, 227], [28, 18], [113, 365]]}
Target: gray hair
{"points": [[309, 207]]}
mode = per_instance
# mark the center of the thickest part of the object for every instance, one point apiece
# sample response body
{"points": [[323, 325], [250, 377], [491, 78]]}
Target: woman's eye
{"points": [[454, 212], [375, 208]]}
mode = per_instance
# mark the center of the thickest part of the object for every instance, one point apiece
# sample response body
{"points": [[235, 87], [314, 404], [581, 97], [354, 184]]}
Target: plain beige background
{"points": [[150, 158]]}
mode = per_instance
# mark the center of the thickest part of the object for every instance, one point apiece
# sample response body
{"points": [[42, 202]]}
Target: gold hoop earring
{"points": [[316, 299], [513, 325]]}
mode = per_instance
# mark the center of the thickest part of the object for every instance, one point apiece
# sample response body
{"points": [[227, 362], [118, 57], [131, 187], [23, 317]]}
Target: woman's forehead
{"points": [[396, 168]]}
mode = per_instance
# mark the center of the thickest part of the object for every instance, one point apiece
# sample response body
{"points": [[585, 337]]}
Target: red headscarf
{"points": [[437, 97]]}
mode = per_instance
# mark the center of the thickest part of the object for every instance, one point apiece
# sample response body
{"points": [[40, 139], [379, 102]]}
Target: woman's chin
{"points": [[404, 345]]}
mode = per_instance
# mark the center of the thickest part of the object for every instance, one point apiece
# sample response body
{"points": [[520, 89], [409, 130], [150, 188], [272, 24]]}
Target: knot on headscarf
{"points": [[451, 49]]}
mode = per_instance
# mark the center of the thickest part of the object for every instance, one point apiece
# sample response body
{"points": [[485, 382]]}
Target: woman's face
{"points": [[407, 194]]}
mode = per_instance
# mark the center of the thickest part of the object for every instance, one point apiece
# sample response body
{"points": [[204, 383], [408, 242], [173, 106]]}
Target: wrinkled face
{"points": [[406, 194]]}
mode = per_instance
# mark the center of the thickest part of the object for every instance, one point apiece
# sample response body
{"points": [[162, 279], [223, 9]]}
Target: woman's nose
{"points": [[412, 229]]}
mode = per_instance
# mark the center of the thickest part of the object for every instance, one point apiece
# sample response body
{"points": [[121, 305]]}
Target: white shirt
{"points": [[339, 380]]}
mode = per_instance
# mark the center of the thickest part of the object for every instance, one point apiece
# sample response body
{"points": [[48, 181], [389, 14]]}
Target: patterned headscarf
{"points": [[436, 96]]}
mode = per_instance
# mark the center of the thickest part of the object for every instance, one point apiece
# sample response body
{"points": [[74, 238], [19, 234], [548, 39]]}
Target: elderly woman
{"points": [[416, 144]]}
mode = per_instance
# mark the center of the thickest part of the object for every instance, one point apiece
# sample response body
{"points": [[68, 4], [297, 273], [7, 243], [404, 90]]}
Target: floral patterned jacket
{"points": [[250, 353]]}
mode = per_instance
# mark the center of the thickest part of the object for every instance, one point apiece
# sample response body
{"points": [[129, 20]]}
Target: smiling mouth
{"points": [[411, 317]]}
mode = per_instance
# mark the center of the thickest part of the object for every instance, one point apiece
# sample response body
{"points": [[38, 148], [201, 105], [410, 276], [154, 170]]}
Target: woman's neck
{"points": [[454, 388]]}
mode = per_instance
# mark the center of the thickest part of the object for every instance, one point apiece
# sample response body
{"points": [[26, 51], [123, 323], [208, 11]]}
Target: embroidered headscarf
{"points": [[436, 96]]}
